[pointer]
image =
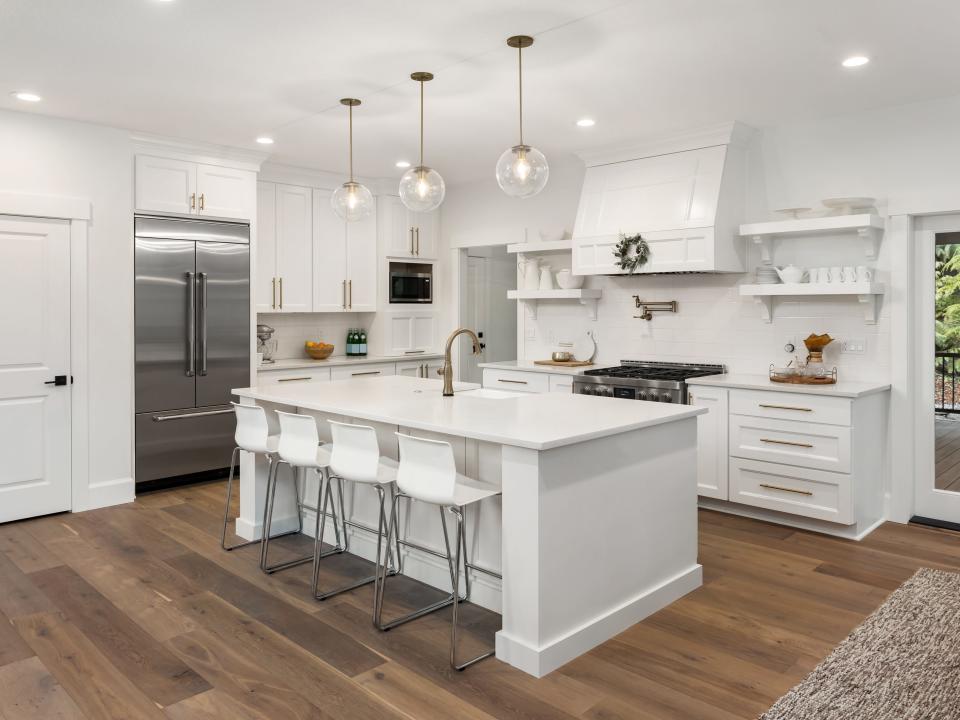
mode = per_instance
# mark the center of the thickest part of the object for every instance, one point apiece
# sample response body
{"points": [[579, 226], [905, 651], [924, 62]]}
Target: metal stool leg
{"points": [[234, 462], [268, 521], [461, 548]]}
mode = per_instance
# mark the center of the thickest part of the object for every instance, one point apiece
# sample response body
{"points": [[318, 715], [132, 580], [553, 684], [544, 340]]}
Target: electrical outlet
{"points": [[531, 332], [855, 346]]}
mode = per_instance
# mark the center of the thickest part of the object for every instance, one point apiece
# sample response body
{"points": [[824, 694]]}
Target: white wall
{"points": [[294, 329], [49, 156]]}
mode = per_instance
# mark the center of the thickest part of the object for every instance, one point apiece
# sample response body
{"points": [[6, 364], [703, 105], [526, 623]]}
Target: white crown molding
{"points": [[192, 151], [727, 133]]}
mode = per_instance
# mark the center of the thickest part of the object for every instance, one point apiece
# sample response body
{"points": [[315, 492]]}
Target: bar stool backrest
{"points": [[428, 470], [356, 452], [299, 439], [252, 429]]}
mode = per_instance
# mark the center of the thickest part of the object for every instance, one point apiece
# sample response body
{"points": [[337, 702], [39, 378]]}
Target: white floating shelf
{"points": [[530, 248], [867, 226], [587, 297], [866, 292]]}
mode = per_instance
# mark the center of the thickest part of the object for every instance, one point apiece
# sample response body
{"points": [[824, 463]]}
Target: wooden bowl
{"points": [[319, 352]]}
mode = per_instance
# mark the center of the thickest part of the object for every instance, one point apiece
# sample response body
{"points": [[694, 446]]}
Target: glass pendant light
{"points": [[351, 201], [421, 188], [522, 170]]}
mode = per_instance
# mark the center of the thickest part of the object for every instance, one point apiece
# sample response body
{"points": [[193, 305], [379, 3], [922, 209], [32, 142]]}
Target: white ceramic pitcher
{"points": [[546, 278], [530, 273]]}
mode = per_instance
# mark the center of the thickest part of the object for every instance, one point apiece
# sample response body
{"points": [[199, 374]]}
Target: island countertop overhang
{"points": [[534, 421]]}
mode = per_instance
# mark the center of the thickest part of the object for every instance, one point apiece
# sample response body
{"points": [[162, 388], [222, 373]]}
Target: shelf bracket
{"points": [[532, 307], [765, 302], [765, 243], [871, 239], [869, 305], [591, 305]]}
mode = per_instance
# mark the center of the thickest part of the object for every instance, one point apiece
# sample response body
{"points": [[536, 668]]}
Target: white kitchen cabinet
{"points": [[407, 234], [516, 380], [712, 466], [344, 261], [561, 384], [166, 185], [284, 281], [348, 372], [419, 368], [410, 332], [265, 376]]}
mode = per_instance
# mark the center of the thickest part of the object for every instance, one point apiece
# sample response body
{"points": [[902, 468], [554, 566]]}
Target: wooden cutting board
{"points": [[568, 363]]}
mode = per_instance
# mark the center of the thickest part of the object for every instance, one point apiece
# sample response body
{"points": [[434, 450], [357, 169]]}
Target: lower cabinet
{"points": [[410, 333], [419, 368], [711, 441], [347, 372], [297, 375]]}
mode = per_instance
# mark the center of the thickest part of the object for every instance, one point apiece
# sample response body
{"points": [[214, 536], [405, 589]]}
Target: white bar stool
{"points": [[298, 447], [428, 473], [356, 458], [252, 435]]}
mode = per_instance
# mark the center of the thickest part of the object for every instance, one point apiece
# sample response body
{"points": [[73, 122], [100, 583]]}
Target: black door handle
{"points": [[57, 380]]}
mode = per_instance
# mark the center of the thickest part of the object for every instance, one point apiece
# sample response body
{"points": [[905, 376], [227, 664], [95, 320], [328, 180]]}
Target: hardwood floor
{"points": [[135, 612], [947, 453]]}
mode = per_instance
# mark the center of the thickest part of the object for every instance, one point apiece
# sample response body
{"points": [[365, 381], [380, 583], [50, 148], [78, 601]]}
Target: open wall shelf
{"points": [[587, 296], [867, 293], [867, 226]]}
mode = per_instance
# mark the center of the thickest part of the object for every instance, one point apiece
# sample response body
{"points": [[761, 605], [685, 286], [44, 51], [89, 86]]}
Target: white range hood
{"points": [[685, 195]]}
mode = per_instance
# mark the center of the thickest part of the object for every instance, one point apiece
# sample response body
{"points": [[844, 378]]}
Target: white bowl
{"points": [[552, 234], [568, 281]]}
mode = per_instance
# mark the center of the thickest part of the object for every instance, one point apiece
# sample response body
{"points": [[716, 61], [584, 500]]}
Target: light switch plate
{"points": [[853, 346]]}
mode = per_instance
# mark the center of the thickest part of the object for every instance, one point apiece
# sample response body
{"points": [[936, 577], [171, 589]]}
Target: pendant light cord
{"points": [[520, 74], [350, 110], [421, 123]]}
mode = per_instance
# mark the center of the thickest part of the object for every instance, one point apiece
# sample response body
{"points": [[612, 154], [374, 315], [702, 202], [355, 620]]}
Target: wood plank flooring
{"points": [[947, 453], [135, 612]]}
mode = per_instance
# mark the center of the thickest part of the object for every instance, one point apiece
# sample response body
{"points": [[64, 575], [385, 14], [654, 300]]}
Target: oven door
{"points": [[408, 287]]}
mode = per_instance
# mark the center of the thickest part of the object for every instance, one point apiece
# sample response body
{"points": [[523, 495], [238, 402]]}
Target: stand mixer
{"points": [[266, 345]]}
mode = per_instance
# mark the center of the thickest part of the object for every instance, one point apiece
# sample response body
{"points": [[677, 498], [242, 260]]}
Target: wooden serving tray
{"points": [[568, 363], [803, 380]]}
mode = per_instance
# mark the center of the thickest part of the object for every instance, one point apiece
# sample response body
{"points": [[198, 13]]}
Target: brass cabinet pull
{"points": [[786, 442], [202, 201], [411, 241], [418, 241], [343, 289], [350, 294], [281, 292], [785, 489], [193, 201], [294, 379], [786, 407], [368, 372], [413, 352], [514, 382], [273, 290]]}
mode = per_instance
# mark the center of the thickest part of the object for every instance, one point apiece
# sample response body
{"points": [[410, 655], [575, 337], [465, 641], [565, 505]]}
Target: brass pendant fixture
{"points": [[421, 187], [522, 170], [352, 201]]}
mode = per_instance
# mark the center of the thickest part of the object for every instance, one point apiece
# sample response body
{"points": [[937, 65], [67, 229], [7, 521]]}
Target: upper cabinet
{"points": [[172, 186], [284, 279], [344, 260], [407, 234], [687, 204]]}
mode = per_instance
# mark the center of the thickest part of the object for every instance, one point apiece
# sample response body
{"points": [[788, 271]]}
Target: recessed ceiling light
{"points": [[26, 96], [402, 164], [263, 139], [586, 122], [856, 61]]}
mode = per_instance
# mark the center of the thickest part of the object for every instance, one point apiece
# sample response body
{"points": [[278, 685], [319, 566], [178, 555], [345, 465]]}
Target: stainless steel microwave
{"points": [[411, 283]]}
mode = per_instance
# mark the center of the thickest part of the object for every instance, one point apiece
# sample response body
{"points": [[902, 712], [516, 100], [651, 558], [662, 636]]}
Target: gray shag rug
{"points": [[901, 663]]}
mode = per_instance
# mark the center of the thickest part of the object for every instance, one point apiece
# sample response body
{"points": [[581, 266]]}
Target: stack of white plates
{"points": [[766, 275]]}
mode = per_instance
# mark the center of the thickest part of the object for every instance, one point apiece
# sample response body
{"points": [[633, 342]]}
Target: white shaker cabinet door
{"points": [[225, 192], [396, 227], [425, 229], [712, 465], [294, 249], [410, 333], [329, 256], [361, 269], [265, 270], [163, 185]]}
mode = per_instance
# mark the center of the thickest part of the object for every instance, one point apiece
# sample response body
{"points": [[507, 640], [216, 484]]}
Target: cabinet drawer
{"points": [[811, 445], [561, 383], [799, 491], [516, 380], [348, 372], [294, 375], [791, 406]]}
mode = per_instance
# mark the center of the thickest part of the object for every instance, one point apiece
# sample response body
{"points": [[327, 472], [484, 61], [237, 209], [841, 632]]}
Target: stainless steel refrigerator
{"points": [[192, 337]]}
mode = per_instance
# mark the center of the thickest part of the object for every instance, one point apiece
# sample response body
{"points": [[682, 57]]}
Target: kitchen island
{"points": [[597, 524]]}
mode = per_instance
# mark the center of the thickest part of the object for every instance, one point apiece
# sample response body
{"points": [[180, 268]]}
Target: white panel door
{"points": [[329, 256], [225, 192], [294, 248], [34, 415], [712, 465], [265, 272], [165, 186], [362, 265]]}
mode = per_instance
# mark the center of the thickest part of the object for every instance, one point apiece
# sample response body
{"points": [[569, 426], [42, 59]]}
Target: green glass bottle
{"points": [[349, 342], [363, 342]]}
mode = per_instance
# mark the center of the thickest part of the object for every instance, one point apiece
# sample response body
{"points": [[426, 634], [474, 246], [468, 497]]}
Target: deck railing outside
{"points": [[946, 399]]}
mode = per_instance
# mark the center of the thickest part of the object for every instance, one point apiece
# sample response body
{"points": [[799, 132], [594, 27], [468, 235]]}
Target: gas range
{"points": [[643, 380]]}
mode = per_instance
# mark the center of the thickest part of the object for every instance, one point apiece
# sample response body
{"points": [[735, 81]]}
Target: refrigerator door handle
{"points": [[191, 325], [202, 319], [187, 416]]}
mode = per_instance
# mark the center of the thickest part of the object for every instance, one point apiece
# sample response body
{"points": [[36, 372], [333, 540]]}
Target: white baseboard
{"points": [[253, 531], [857, 531], [539, 661], [107, 493]]}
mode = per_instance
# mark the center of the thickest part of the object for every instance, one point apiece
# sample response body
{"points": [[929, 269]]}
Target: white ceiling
{"points": [[226, 71]]}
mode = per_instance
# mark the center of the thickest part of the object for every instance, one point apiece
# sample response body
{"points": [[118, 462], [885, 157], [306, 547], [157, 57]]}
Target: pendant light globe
{"points": [[352, 201], [422, 188]]}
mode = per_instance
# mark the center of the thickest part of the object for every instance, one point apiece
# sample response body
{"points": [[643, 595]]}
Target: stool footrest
{"points": [[439, 605]]}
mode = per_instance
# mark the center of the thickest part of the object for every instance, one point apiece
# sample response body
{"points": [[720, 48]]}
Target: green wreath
{"points": [[632, 252]]}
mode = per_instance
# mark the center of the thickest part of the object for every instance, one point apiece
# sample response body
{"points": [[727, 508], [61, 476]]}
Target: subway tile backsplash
{"points": [[294, 329]]}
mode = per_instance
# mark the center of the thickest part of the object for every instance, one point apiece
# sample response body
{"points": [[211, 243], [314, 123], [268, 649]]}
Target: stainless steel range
{"points": [[643, 380]]}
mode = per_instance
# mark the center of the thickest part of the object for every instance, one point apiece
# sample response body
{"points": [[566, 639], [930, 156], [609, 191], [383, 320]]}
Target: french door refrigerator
{"points": [[192, 340]]}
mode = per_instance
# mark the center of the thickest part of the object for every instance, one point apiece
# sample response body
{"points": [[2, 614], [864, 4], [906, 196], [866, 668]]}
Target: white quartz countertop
{"points": [[843, 388], [298, 363], [535, 421], [530, 367]]}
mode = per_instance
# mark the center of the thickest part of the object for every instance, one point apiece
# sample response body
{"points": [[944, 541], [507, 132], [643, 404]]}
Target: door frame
{"points": [[77, 212]]}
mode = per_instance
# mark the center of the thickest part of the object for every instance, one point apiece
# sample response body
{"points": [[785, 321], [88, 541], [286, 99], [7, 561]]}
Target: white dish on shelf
{"points": [[793, 212], [584, 347], [568, 281], [850, 205], [553, 234]]}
